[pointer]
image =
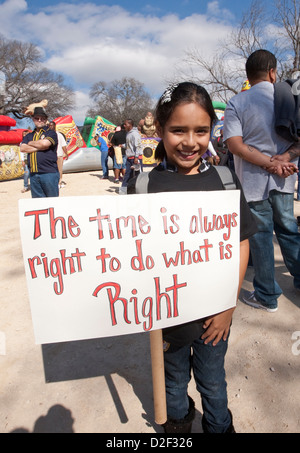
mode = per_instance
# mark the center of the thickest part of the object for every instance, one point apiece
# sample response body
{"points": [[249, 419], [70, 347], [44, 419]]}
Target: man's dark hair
{"points": [[259, 64]]}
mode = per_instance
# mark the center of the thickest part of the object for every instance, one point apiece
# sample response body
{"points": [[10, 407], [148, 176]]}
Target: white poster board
{"points": [[111, 265]]}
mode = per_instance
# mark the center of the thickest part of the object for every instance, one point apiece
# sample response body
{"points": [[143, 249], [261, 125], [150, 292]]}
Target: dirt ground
{"points": [[105, 385]]}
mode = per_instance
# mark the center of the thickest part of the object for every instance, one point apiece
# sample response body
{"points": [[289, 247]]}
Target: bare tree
{"points": [[221, 77], [249, 35], [27, 82], [120, 99], [224, 73], [288, 18]]}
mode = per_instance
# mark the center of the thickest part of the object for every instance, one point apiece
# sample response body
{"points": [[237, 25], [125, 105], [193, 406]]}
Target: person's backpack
{"points": [[141, 185]]}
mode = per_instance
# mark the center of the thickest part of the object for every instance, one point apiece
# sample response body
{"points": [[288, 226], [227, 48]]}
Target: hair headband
{"points": [[167, 95]]}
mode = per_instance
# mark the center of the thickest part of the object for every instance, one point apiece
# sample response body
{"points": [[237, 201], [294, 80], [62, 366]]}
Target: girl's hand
{"points": [[217, 327]]}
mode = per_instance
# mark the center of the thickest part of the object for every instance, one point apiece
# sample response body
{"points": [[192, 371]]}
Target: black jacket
{"points": [[287, 110]]}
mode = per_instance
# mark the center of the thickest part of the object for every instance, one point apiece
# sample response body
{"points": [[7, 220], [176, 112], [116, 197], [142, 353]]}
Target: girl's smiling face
{"points": [[186, 136]]}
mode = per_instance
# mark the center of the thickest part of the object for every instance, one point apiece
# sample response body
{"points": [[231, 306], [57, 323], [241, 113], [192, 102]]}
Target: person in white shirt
{"points": [[61, 152]]}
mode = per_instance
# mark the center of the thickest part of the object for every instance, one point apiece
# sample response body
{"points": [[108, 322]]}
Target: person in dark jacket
{"points": [[41, 148], [119, 139]]}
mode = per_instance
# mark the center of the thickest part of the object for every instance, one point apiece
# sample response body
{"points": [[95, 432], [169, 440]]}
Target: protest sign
{"points": [[109, 265]]}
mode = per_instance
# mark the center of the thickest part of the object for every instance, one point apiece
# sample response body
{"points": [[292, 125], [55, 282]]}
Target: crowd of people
{"points": [[126, 151], [44, 149], [262, 159]]}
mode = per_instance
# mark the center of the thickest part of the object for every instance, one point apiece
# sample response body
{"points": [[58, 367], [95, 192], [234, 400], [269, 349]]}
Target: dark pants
{"points": [[207, 363], [129, 172], [44, 185]]}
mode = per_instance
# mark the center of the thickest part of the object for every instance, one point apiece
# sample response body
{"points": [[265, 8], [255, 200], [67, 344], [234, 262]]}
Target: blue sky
{"points": [[159, 8], [91, 41]]}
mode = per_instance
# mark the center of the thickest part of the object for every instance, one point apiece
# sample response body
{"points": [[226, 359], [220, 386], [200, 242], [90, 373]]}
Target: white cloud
{"points": [[82, 105], [214, 10], [11, 7], [88, 42], [144, 48]]}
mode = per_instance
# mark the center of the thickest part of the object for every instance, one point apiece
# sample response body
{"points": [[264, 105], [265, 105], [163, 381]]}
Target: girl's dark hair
{"points": [[183, 93]]}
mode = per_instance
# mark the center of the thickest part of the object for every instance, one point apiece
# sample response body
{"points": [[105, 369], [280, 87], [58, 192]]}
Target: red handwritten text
{"points": [[148, 308], [202, 224], [70, 225], [184, 256], [56, 267], [115, 229]]}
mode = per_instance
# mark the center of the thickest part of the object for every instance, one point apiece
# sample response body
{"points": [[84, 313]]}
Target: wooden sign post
{"points": [[158, 377]]}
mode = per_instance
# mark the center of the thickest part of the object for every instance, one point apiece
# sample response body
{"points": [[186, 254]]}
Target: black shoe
{"points": [[229, 430], [183, 425]]}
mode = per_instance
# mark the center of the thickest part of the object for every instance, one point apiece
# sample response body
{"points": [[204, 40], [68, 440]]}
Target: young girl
{"points": [[184, 118]]}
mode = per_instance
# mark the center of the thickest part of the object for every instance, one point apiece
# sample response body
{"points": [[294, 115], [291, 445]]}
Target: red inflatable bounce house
{"points": [[10, 140]]}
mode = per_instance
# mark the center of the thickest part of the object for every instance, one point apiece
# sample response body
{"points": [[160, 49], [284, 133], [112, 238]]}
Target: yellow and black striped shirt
{"points": [[43, 161]]}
